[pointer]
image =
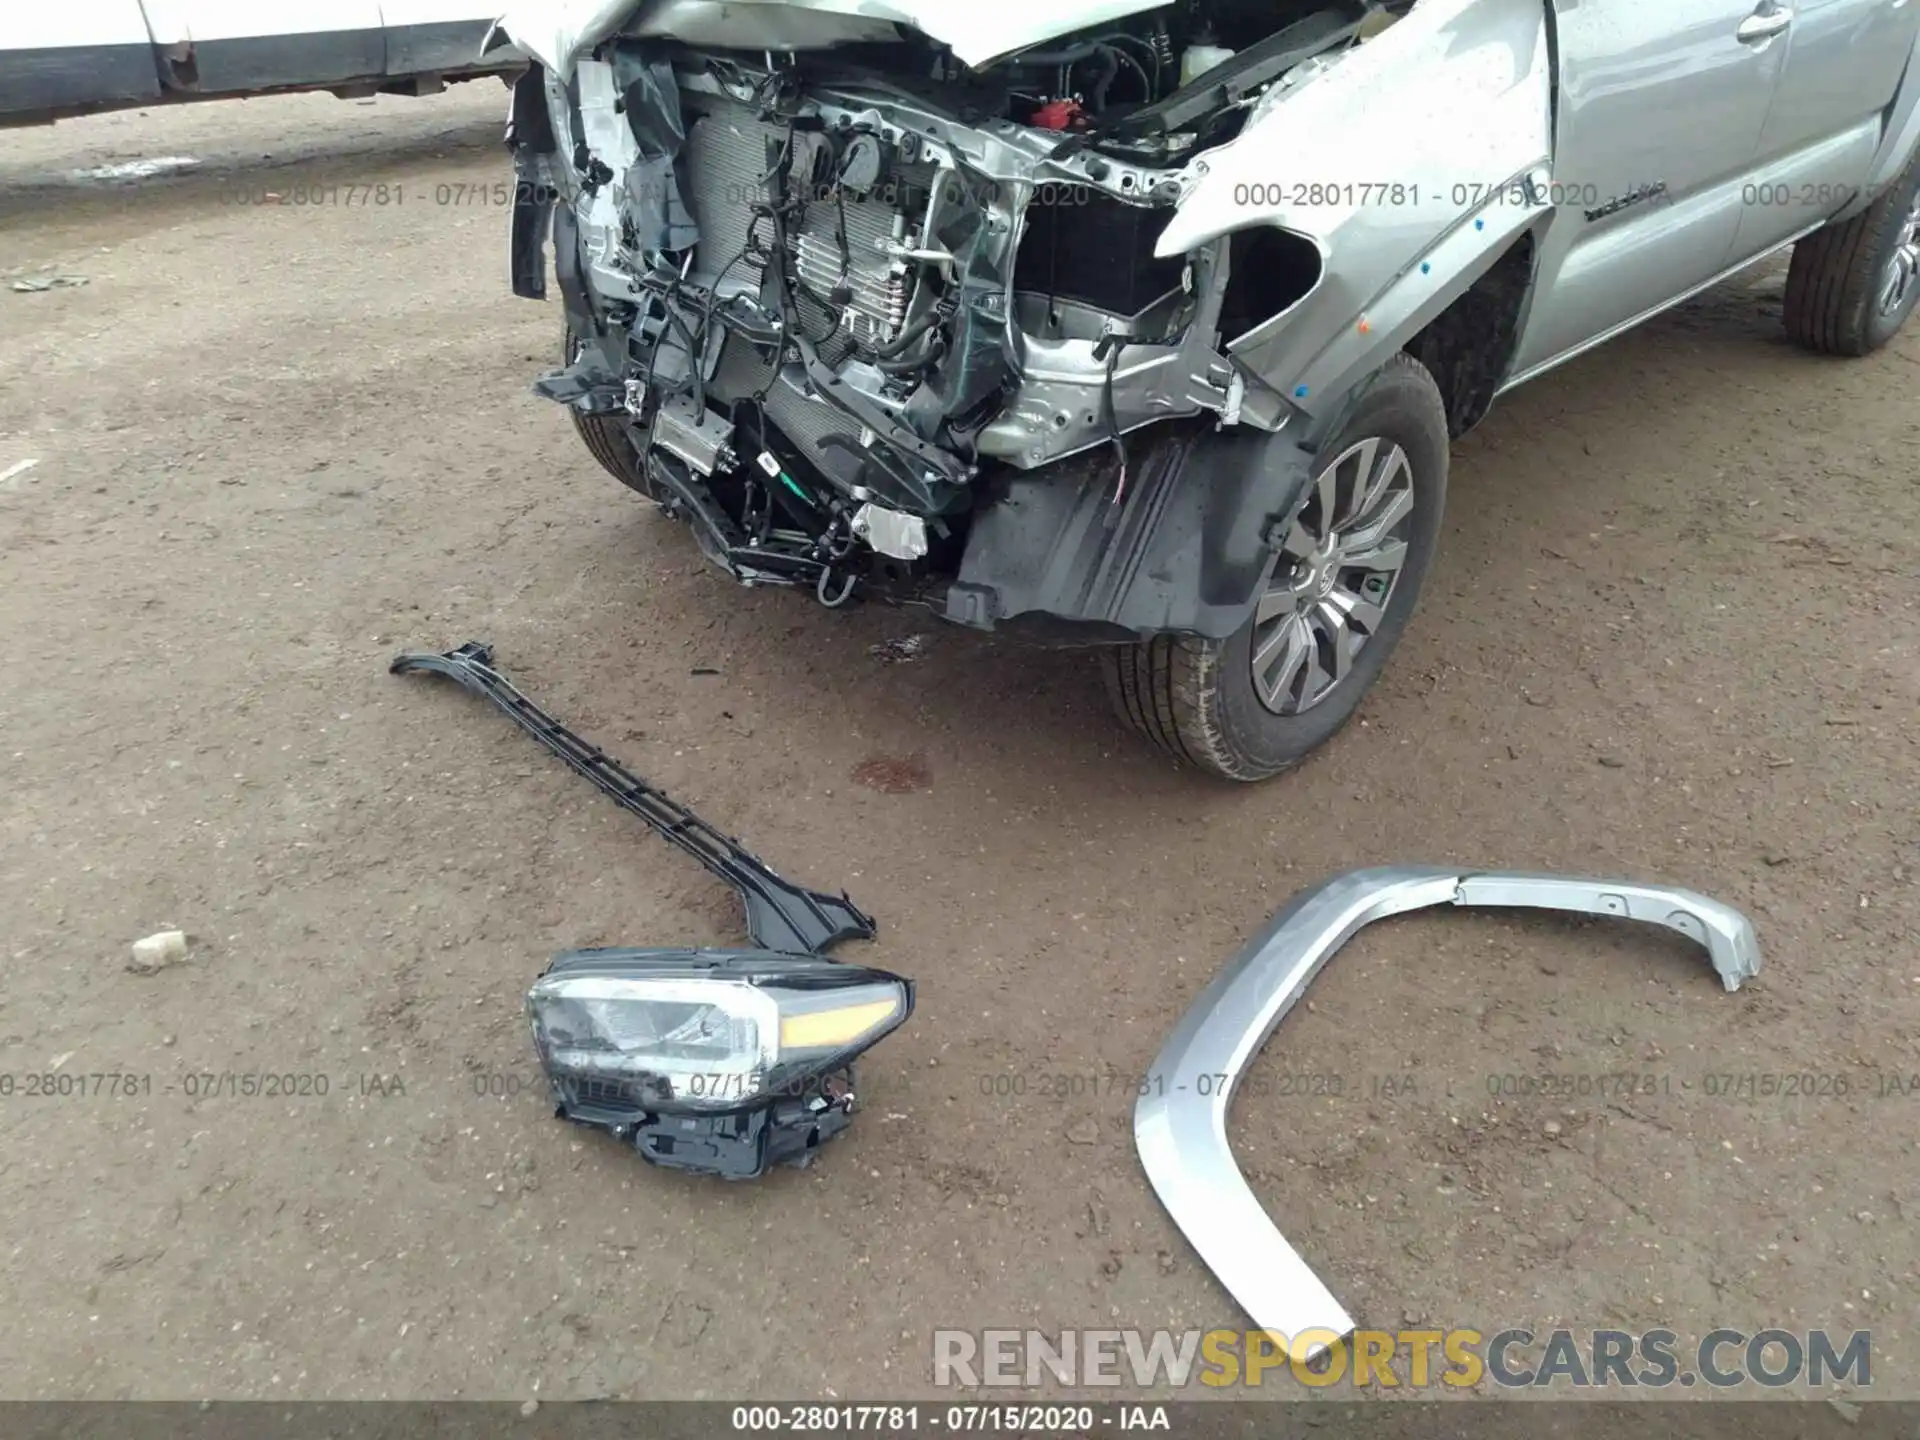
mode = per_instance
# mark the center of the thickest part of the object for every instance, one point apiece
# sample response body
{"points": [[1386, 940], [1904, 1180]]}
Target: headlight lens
{"points": [[679, 1030], [699, 1039]]}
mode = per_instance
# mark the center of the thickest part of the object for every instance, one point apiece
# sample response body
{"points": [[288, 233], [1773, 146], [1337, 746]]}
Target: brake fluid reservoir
{"points": [[1196, 60]]}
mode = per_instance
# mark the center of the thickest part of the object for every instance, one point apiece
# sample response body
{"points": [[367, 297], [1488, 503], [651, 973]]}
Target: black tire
{"points": [[1197, 699], [605, 437], [1839, 276]]}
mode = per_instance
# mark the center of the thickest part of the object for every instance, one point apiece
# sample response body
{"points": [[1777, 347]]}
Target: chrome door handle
{"points": [[1763, 24]]}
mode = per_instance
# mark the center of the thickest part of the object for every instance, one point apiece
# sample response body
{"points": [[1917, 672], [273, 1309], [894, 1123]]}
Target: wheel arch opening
{"points": [[1469, 347], [1269, 271]]}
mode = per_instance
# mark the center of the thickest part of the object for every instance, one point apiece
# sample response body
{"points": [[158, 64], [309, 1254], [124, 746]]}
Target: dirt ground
{"points": [[1674, 633]]}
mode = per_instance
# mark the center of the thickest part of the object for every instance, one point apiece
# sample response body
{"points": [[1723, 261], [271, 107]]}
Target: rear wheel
{"points": [[1853, 285], [605, 437], [1343, 588]]}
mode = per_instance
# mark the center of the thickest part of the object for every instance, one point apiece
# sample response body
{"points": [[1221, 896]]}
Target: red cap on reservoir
{"points": [[1056, 115]]}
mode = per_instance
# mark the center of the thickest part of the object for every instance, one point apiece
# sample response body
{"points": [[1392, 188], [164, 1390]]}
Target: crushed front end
{"points": [[870, 318]]}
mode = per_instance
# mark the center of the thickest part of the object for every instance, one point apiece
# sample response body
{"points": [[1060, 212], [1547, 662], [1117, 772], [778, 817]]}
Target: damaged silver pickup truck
{"points": [[1147, 326]]}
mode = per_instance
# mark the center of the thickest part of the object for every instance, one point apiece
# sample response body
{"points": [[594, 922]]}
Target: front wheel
{"points": [[1343, 588]]}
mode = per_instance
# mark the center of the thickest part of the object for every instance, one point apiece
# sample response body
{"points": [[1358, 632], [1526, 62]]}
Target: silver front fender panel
{"points": [[1180, 1121], [1406, 162]]}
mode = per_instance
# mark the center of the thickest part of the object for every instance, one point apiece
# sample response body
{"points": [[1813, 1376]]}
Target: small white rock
{"points": [[156, 952]]}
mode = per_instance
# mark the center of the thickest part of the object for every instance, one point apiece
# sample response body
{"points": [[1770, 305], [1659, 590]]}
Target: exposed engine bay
{"points": [[849, 292]]}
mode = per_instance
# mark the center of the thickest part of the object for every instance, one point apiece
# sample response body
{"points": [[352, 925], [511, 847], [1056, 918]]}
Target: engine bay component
{"points": [[781, 916], [718, 1062], [703, 441], [885, 277], [890, 532], [1180, 1120], [976, 264], [863, 165], [1230, 80]]}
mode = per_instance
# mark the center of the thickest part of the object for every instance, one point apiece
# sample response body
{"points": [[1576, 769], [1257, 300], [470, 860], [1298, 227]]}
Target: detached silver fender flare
{"points": [[1180, 1120]]}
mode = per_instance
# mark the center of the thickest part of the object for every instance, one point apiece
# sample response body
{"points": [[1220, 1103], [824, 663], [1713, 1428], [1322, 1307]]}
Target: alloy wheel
{"points": [[1337, 571], [1902, 275]]}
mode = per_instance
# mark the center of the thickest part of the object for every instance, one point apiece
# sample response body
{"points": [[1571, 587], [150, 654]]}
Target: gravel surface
{"points": [[1673, 633]]}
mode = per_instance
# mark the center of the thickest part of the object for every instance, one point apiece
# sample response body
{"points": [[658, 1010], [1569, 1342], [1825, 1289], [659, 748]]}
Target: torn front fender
{"points": [[1411, 161], [1180, 1120]]}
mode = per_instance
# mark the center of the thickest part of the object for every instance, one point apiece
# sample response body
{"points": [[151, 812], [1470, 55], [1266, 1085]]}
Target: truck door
{"points": [[1657, 130], [1844, 62]]}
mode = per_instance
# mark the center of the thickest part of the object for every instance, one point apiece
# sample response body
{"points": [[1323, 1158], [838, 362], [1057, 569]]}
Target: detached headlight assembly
{"points": [[723, 1062]]}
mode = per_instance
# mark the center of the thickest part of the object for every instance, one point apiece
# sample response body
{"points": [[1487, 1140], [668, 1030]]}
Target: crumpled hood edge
{"points": [[558, 32]]}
